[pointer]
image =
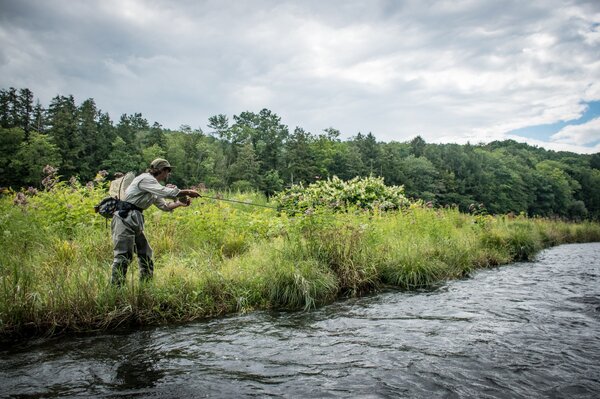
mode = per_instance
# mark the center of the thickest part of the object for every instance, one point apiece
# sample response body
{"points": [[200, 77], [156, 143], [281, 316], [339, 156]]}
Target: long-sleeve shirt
{"points": [[145, 191]]}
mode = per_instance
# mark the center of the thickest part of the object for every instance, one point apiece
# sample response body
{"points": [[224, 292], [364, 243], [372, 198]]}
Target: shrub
{"points": [[369, 193]]}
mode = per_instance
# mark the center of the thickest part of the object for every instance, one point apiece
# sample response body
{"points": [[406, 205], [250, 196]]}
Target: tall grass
{"points": [[215, 258]]}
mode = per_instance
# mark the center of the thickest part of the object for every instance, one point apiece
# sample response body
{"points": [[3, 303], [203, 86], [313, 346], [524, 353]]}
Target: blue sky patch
{"points": [[544, 132]]}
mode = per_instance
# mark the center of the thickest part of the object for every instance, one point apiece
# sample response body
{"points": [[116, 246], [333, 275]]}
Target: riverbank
{"points": [[213, 259]]}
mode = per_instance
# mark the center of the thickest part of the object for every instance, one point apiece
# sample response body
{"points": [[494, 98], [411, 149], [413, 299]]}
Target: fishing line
{"points": [[238, 202]]}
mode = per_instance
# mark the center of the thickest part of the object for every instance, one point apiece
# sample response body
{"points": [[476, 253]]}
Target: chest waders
{"points": [[129, 238]]}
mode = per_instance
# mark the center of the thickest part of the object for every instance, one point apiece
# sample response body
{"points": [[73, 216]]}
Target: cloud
{"points": [[441, 69], [584, 134]]}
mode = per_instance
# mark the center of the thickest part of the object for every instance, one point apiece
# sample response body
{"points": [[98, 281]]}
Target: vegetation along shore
{"points": [[302, 248]]}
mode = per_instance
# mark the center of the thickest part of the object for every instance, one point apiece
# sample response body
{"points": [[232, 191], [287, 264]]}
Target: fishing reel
{"points": [[185, 200]]}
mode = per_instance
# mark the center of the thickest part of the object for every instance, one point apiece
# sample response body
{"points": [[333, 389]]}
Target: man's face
{"points": [[164, 175]]}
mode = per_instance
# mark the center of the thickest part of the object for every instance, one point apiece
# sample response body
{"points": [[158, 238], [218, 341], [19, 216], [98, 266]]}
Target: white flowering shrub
{"points": [[367, 193]]}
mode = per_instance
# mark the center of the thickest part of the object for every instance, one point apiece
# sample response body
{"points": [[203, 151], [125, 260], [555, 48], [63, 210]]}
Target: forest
{"points": [[330, 218], [256, 151]]}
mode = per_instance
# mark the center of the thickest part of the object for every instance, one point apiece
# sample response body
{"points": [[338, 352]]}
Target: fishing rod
{"points": [[238, 202]]}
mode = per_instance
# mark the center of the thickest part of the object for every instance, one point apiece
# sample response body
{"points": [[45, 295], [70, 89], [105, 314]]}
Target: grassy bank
{"points": [[215, 258]]}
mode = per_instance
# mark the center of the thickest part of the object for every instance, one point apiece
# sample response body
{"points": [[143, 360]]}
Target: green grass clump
{"points": [[214, 258]]}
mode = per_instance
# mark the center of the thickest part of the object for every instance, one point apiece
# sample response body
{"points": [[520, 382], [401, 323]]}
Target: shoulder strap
{"points": [[125, 183], [120, 185]]}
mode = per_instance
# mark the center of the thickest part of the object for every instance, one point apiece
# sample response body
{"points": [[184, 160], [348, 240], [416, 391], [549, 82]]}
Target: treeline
{"points": [[257, 151]]}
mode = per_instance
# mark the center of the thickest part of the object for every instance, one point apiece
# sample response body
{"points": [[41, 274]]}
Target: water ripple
{"points": [[528, 330]]}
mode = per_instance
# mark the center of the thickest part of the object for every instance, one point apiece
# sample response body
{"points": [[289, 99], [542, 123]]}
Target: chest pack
{"points": [[113, 203], [108, 206]]}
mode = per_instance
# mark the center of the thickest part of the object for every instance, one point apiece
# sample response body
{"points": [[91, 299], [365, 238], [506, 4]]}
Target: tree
{"points": [[595, 161], [246, 167], [32, 156], [87, 129], [325, 146], [417, 146], [63, 121], [391, 159], [179, 154], [266, 133], [271, 183], [499, 183], [9, 108], [155, 151], [577, 211], [299, 157], [155, 136], [370, 153], [130, 125], [25, 111], [207, 161], [592, 194], [195, 157], [122, 158], [346, 163], [106, 136], [554, 192], [10, 142], [39, 118], [16, 109], [421, 178], [220, 125]]}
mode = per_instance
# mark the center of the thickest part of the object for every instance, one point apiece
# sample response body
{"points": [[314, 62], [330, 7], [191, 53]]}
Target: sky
{"points": [[449, 71]]}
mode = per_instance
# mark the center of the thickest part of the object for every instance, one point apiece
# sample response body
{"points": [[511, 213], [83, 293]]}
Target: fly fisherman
{"points": [[127, 225]]}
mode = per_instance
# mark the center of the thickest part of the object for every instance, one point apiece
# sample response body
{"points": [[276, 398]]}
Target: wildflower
{"points": [[20, 199], [32, 191], [51, 177], [49, 182], [50, 170], [89, 185], [101, 175]]}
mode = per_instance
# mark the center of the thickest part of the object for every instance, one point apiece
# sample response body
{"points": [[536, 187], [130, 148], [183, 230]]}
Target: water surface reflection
{"points": [[529, 330]]}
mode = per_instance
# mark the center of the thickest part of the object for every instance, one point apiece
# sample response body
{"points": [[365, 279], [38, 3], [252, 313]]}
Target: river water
{"points": [[526, 330]]}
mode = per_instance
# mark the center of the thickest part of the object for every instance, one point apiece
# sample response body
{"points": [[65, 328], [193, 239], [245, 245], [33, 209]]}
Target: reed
{"points": [[215, 258]]}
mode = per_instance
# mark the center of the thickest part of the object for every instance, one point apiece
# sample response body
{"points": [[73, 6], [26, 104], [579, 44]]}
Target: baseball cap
{"points": [[160, 164]]}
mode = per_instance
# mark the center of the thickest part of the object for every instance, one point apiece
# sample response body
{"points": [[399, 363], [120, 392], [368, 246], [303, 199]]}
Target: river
{"points": [[525, 330]]}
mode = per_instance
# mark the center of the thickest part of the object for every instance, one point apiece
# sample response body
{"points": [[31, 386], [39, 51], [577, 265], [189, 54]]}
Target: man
{"points": [[127, 225]]}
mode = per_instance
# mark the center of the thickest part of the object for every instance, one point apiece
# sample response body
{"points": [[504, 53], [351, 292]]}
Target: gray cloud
{"points": [[447, 70]]}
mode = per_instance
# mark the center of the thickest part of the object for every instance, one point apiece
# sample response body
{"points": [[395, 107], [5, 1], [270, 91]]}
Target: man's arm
{"points": [[188, 193], [183, 199], [177, 204]]}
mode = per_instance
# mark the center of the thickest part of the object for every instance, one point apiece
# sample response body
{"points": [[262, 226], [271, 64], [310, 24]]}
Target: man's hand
{"points": [[186, 201], [189, 193], [180, 202]]}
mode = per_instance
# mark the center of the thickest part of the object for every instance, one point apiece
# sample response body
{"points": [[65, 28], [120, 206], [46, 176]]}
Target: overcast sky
{"points": [[449, 71]]}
